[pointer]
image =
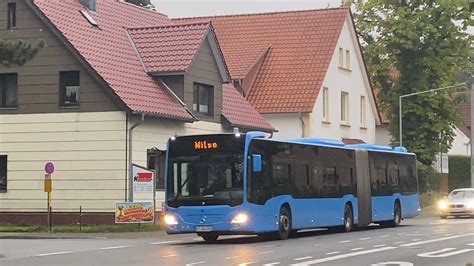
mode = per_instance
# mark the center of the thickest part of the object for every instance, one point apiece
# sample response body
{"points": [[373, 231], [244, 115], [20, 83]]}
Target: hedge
{"points": [[459, 171]]}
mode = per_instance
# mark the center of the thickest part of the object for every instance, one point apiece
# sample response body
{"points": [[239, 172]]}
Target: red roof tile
{"points": [[302, 44], [240, 113], [169, 48], [108, 51]]}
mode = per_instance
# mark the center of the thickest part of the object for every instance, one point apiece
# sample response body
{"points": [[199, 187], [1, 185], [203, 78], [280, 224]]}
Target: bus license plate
{"points": [[203, 228]]}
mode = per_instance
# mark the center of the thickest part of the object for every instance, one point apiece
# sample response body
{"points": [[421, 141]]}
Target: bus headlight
{"points": [[170, 219], [240, 218], [442, 205]]}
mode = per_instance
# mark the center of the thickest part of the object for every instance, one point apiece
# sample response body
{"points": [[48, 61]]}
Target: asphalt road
{"points": [[419, 241]]}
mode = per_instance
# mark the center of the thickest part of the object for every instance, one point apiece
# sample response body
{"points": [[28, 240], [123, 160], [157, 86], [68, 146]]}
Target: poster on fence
{"points": [[134, 212]]}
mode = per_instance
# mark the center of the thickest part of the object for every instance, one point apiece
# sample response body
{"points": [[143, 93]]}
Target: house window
{"points": [[11, 15], [341, 57], [69, 88], [3, 173], [345, 107], [8, 90], [202, 99], [362, 110], [325, 104], [348, 59]]}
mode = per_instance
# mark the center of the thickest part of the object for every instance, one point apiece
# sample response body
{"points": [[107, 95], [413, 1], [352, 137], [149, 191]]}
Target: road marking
{"points": [[343, 256], [448, 234], [398, 263], [365, 238], [247, 263], [317, 245], [381, 245], [116, 247], [417, 232], [400, 242], [170, 255], [357, 248], [164, 242], [441, 253], [332, 253], [470, 244], [266, 252], [196, 263], [53, 253], [273, 263], [434, 240], [401, 234], [385, 236], [345, 241], [303, 258], [416, 239], [233, 257]]}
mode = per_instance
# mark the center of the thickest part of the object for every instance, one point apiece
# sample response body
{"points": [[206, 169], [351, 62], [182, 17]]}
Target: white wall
{"points": [[461, 144], [289, 125], [382, 135], [354, 82], [88, 150]]}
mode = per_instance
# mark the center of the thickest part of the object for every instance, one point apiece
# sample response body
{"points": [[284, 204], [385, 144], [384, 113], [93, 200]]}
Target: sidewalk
{"points": [[430, 211]]}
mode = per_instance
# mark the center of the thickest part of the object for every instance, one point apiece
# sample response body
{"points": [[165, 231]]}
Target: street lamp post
{"points": [[412, 94]]}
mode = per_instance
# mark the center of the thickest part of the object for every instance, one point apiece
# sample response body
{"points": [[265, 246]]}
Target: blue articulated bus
{"points": [[252, 184]]}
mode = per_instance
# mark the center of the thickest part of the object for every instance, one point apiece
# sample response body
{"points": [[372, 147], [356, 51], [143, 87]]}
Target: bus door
{"points": [[364, 195]]}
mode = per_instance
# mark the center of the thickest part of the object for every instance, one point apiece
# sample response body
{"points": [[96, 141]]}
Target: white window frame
{"points": [[348, 59], [341, 57], [363, 118], [344, 108]]}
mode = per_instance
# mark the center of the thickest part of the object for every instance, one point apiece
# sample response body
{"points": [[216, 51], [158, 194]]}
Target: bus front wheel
{"points": [[209, 237], [284, 223]]}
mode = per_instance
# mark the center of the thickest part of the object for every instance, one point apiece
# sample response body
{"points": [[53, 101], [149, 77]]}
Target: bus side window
{"points": [[329, 189]]}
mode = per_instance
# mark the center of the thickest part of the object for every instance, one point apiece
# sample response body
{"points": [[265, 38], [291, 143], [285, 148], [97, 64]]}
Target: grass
{"points": [[101, 228]]}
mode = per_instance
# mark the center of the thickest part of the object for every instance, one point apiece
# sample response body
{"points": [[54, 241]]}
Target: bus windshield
{"points": [[215, 179], [205, 170]]}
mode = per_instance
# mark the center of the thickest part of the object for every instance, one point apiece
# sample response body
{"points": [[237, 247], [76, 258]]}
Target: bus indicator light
{"points": [[204, 145]]}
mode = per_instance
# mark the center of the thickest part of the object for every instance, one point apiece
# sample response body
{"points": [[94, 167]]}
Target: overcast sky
{"points": [[193, 8]]}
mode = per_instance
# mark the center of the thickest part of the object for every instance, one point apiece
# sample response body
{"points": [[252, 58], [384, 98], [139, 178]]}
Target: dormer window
{"points": [[202, 99], [69, 88]]}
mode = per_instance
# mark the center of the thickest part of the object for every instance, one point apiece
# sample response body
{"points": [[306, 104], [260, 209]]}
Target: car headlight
{"points": [[442, 205], [240, 218], [170, 219], [470, 204]]}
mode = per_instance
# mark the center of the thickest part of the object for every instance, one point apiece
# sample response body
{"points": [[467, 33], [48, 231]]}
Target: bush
{"points": [[459, 171]]}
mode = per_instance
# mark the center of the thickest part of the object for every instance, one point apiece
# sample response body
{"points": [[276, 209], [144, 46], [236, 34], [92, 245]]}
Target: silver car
{"points": [[460, 202]]}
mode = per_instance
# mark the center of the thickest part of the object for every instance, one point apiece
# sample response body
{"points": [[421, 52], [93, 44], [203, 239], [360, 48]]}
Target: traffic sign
{"points": [[49, 168]]}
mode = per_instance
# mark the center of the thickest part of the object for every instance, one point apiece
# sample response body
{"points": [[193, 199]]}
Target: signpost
{"points": [[48, 187]]}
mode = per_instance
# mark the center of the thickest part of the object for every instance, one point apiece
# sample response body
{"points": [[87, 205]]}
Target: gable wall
{"points": [[38, 80]]}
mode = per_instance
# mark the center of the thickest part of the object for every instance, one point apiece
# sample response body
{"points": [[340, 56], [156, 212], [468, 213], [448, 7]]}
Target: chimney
{"points": [[89, 4]]}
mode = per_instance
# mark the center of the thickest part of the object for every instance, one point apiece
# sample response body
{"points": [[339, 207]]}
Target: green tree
{"points": [[142, 3], [411, 46], [18, 52]]}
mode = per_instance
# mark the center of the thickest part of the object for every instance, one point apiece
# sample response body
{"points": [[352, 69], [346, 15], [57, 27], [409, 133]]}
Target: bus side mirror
{"points": [[256, 163]]}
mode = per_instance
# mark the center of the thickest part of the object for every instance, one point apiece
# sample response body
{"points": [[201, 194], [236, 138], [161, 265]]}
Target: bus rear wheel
{"points": [[284, 223], [209, 237], [397, 216], [348, 218]]}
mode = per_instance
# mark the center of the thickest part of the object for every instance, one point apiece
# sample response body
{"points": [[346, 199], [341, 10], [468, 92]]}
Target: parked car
{"points": [[460, 202]]}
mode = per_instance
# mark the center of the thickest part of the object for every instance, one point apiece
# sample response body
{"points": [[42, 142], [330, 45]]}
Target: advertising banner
{"points": [[134, 212], [142, 180]]}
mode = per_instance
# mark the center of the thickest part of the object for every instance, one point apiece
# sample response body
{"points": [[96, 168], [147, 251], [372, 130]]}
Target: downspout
{"points": [[302, 125], [130, 159]]}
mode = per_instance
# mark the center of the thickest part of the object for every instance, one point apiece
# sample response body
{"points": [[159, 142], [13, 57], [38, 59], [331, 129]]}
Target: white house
{"points": [[302, 70]]}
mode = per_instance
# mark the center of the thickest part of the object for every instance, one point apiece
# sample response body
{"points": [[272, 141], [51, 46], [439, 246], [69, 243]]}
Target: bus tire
{"points": [[209, 237], [284, 223], [397, 216], [348, 218]]}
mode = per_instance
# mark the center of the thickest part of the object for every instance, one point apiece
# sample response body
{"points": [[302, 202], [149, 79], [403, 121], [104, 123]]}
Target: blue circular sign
{"points": [[49, 168]]}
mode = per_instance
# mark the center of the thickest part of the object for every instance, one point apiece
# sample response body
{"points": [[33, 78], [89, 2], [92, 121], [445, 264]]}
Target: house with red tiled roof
{"points": [[113, 81], [302, 70]]}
